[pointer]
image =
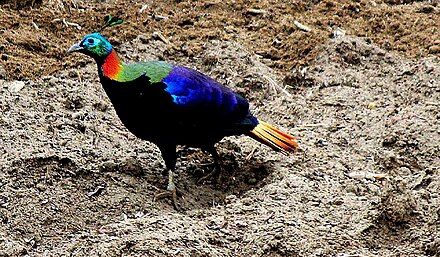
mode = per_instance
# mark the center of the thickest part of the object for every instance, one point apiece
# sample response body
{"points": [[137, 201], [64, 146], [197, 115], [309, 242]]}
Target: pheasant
{"points": [[171, 105]]}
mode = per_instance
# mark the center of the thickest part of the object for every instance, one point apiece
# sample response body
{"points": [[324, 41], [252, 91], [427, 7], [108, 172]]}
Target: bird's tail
{"points": [[273, 137]]}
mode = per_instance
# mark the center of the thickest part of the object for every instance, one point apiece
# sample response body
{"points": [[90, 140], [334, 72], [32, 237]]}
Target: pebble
{"points": [[372, 105], [15, 86], [338, 32]]}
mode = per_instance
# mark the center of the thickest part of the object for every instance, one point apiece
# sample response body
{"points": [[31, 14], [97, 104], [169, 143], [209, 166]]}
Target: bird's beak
{"points": [[75, 48]]}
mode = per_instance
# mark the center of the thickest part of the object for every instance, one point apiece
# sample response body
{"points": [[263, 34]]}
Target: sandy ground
{"points": [[75, 182]]}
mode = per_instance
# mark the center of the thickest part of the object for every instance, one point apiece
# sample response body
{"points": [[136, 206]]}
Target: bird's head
{"points": [[93, 45]]}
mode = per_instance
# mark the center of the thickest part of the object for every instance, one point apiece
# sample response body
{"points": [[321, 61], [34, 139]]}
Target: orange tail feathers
{"points": [[273, 137]]}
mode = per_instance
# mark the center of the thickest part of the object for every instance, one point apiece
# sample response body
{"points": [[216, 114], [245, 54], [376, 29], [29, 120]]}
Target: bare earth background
{"points": [[75, 182]]}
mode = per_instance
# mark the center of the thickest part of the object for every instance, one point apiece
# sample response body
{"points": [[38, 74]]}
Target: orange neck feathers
{"points": [[112, 66]]}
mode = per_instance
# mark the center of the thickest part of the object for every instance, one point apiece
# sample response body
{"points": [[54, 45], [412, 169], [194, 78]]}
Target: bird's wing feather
{"points": [[192, 90], [194, 98]]}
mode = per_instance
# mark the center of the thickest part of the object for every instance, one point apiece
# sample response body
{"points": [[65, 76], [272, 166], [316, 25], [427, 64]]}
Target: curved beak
{"points": [[75, 48]]}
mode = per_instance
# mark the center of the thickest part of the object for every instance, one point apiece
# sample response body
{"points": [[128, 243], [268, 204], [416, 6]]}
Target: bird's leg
{"points": [[171, 190], [218, 171], [169, 156]]}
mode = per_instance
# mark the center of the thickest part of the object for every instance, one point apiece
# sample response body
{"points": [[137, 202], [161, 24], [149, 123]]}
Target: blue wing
{"points": [[194, 91]]}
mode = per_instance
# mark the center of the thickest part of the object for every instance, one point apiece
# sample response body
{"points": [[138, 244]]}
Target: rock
{"points": [[338, 32], [15, 86], [398, 203]]}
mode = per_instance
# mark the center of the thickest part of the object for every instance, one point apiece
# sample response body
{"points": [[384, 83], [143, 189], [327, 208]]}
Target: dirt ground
{"points": [[359, 85]]}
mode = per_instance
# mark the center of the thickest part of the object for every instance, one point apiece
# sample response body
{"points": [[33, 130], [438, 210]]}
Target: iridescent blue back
{"points": [[191, 90]]}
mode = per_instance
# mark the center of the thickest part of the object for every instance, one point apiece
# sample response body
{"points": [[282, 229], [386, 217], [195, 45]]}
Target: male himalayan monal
{"points": [[172, 105]]}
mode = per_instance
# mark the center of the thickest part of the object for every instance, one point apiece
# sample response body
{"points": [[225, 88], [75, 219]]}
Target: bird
{"points": [[172, 105]]}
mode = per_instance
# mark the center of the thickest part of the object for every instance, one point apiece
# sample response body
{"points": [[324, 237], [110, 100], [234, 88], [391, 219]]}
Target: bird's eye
{"points": [[90, 41]]}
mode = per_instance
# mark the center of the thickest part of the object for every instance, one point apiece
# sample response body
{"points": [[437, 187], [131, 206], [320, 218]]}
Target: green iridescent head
{"points": [[93, 45]]}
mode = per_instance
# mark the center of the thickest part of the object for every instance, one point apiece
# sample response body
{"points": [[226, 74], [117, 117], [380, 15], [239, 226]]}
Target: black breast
{"points": [[141, 106]]}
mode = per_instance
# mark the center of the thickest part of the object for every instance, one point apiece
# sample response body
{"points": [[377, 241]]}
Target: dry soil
{"points": [[359, 85]]}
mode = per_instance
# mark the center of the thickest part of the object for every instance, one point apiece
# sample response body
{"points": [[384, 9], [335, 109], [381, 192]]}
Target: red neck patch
{"points": [[112, 65]]}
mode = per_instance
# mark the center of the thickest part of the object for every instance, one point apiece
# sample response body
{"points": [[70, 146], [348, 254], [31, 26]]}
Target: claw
{"points": [[171, 191], [167, 194], [217, 173]]}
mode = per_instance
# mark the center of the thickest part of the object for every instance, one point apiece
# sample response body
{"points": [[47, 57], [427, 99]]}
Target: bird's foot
{"points": [[171, 191], [216, 175]]}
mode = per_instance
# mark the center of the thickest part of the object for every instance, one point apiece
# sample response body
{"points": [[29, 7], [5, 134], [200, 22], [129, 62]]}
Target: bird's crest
{"points": [[110, 21]]}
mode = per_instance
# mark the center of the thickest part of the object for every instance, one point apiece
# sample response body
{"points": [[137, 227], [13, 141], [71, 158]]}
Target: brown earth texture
{"points": [[358, 82]]}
